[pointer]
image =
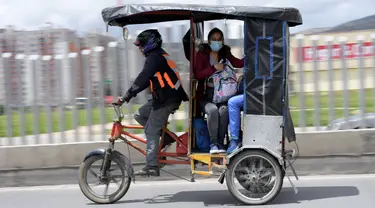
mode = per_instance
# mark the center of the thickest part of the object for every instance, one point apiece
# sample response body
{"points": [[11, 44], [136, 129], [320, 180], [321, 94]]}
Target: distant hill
{"points": [[365, 23], [312, 31]]}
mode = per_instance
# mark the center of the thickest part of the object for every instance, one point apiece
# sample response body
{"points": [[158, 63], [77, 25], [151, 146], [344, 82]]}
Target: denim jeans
{"points": [[234, 108]]}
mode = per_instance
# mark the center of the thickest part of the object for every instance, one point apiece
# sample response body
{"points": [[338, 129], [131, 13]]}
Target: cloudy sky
{"points": [[85, 15]]}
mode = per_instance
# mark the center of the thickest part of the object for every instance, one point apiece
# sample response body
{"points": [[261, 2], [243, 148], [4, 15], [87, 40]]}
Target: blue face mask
{"points": [[216, 45]]}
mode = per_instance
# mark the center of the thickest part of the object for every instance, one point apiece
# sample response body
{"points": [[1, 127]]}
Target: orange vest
{"points": [[167, 79]]}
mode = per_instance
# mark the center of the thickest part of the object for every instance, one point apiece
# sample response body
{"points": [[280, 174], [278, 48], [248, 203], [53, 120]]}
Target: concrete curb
{"points": [[343, 152], [304, 167], [311, 144]]}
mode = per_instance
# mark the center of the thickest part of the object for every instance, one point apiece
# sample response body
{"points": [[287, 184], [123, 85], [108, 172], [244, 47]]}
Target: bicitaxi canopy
{"points": [[153, 13]]}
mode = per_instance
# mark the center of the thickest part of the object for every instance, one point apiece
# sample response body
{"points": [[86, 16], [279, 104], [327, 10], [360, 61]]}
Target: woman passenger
{"points": [[206, 63]]}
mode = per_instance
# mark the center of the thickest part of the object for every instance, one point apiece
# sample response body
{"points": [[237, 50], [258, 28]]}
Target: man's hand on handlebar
{"points": [[126, 98]]}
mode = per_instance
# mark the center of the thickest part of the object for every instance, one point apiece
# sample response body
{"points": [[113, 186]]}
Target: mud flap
{"points": [[222, 176], [287, 158]]}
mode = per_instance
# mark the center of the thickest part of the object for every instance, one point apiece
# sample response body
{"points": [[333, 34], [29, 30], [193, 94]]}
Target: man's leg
{"points": [[153, 127], [213, 122], [234, 105], [142, 115]]}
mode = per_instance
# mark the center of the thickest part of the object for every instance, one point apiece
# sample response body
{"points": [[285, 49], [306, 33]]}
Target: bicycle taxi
{"points": [[259, 165]]}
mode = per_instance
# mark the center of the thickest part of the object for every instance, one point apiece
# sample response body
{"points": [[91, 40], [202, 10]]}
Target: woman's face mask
{"points": [[216, 45]]}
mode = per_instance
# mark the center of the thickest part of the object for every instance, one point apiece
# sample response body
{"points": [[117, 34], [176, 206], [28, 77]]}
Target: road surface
{"points": [[344, 191]]}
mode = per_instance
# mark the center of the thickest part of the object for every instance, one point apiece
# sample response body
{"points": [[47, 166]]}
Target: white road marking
{"points": [[177, 182]]}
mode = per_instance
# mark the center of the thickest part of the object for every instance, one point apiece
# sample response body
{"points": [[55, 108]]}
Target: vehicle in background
{"points": [[353, 122]]}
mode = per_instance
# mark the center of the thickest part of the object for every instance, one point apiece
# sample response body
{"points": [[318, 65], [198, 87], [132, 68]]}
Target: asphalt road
{"points": [[342, 191]]}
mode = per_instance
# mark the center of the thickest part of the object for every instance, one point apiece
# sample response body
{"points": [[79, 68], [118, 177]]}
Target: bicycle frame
{"points": [[118, 130]]}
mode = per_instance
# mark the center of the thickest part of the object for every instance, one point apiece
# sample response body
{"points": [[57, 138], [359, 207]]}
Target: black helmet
{"points": [[148, 40]]}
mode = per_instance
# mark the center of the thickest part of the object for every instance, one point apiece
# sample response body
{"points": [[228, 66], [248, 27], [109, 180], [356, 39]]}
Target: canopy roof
{"points": [[153, 13]]}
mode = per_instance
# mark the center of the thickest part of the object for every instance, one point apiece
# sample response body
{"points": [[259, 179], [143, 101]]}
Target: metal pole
{"points": [[20, 58], [87, 81], [73, 67], [8, 109], [316, 84], [113, 72], [46, 61], [302, 115], [112, 46], [345, 79], [362, 100], [127, 83], [329, 42], [99, 50], [60, 84], [33, 59]]}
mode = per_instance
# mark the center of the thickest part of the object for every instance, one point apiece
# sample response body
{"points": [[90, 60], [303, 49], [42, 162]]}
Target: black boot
{"points": [[148, 171]]}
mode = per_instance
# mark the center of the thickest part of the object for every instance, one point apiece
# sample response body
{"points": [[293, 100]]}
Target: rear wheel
{"points": [[254, 177], [121, 180]]}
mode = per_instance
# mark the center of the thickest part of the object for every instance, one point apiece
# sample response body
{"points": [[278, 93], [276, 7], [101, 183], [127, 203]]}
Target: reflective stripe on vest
{"points": [[173, 66], [158, 75]]}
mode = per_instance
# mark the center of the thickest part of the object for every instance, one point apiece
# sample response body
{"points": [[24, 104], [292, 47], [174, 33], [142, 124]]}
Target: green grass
{"points": [[43, 128], [180, 124], [338, 100]]}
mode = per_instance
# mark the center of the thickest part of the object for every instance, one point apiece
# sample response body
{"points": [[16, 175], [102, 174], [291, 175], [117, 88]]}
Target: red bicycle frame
{"points": [[118, 130]]}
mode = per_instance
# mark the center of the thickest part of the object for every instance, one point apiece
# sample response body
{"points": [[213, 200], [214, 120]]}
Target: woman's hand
{"points": [[219, 66]]}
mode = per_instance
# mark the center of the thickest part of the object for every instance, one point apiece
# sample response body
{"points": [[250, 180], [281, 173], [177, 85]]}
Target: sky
{"points": [[85, 15]]}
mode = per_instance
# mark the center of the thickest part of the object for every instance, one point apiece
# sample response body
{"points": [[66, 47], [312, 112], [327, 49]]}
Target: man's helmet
{"points": [[149, 40]]}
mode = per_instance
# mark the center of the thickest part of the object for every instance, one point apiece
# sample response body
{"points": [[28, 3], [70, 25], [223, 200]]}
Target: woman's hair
{"points": [[223, 52]]}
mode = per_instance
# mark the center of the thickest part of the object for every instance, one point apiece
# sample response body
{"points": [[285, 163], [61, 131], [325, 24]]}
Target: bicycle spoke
{"points": [[268, 173], [93, 173], [106, 190], [113, 178]]}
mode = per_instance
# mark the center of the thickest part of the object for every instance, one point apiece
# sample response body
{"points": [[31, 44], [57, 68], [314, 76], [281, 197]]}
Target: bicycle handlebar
{"points": [[118, 110]]}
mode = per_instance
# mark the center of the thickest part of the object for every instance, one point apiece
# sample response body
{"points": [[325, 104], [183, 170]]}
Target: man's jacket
{"points": [[160, 74]]}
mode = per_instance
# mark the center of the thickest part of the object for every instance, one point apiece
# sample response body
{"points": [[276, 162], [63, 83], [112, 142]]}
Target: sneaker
{"points": [[148, 171], [234, 144], [221, 148], [216, 149]]}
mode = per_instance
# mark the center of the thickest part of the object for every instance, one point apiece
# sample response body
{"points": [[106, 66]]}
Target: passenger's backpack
{"points": [[221, 85], [202, 136]]}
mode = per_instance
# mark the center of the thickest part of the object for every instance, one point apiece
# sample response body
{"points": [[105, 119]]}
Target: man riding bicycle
{"points": [[159, 73]]}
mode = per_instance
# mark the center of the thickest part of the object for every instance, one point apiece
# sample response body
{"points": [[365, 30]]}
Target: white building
{"points": [[45, 44], [98, 60]]}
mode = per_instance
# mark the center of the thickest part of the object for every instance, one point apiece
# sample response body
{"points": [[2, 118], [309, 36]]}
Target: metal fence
{"points": [[64, 98], [334, 80]]}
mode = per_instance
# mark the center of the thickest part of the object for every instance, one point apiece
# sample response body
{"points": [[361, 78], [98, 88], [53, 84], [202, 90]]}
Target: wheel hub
{"points": [[104, 179], [253, 177]]}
